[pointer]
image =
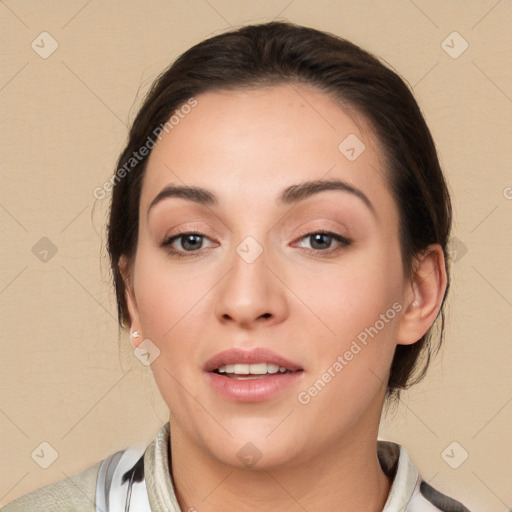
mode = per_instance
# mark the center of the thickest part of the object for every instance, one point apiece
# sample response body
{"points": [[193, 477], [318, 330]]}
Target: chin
{"points": [[259, 448], [254, 456]]}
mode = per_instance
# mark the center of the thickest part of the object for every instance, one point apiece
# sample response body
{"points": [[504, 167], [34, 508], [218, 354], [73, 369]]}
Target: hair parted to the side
{"points": [[281, 52]]}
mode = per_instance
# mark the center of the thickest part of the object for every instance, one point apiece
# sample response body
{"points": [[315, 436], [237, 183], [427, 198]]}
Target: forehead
{"points": [[247, 145]]}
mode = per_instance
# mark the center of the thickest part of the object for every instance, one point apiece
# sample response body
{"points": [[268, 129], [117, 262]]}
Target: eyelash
{"points": [[343, 241]]}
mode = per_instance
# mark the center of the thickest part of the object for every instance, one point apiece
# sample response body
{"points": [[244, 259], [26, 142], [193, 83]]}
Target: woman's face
{"points": [[284, 271]]}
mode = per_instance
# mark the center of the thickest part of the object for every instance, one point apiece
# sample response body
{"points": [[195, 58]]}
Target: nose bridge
{"points": [[250, 291]]}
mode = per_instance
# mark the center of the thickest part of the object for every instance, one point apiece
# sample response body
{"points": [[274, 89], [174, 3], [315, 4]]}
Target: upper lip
{"points": [[253, 356]]}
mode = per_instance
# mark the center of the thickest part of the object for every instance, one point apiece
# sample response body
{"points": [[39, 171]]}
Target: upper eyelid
{"points": [[321, 229], [312, 229], [302, 232]]}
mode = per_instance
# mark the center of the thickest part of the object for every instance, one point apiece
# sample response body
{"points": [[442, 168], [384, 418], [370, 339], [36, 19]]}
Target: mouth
{"points": [[258, 362], [252, 376]]}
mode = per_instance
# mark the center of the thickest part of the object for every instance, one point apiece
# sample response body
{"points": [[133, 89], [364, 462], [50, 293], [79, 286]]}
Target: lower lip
{"points": [[253, 390]]}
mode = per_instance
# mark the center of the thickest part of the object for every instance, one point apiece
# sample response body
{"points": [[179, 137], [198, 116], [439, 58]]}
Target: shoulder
{"points": [[115, 481], [76, 493], [409, 492]]}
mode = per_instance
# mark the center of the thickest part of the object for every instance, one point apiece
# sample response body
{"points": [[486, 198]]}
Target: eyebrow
{"points": [[290, 195]]}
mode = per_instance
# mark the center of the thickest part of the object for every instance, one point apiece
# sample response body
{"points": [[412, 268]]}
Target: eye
{"points": [[325, 242], [190, 242]]}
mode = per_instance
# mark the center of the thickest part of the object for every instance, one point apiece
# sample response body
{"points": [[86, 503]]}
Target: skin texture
{"points": [[296, 298]]}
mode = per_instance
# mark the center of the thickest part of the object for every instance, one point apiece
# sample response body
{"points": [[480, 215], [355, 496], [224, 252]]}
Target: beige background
{"points": [[64, 379]]}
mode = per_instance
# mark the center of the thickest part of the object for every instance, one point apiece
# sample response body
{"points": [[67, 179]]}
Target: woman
{"points": [[278, 239]]}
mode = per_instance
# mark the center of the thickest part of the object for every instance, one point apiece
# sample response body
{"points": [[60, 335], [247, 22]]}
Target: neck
{"points": [[345, 476]]}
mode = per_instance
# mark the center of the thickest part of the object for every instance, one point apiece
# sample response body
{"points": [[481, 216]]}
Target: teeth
{"points": [[251, 369], [241, 369], [257, 369]]}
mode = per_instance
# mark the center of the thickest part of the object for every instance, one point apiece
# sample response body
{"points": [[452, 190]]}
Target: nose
{"points": [[251, 294]]}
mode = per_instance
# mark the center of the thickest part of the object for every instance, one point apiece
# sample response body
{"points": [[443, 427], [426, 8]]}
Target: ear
{"points": [[425, 294], [129, 294]]}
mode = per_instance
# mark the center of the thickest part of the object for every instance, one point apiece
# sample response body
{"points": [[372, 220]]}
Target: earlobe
{"points": [[427, 288], [131, 302]]}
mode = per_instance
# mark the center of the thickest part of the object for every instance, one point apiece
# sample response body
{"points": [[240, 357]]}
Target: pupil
{"points": [[188, 238], [318, 237]]}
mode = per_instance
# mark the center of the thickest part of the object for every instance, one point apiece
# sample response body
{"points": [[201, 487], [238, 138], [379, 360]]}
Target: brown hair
{"points": [[279, 52]]}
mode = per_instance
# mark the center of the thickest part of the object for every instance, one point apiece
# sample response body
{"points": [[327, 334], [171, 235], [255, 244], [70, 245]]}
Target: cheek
{"points": [[167, 296], [351, 364], [359, 306], [171, 308], [175, 308], [351, 294]]}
